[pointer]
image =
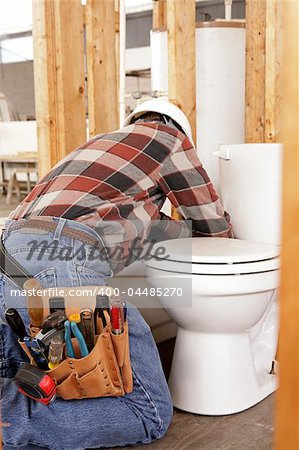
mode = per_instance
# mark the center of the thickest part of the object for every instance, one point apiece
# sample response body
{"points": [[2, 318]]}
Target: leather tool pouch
{"points": [[105, 371]]}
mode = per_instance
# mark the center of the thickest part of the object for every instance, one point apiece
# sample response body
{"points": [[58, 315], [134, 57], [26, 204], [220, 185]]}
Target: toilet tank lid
{"points": [[213, 250]]}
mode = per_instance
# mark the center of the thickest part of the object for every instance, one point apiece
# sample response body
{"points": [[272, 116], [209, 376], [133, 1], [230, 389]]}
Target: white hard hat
{"points": [[162, 107]]}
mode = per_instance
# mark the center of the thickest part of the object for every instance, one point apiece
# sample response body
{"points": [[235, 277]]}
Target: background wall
{"points": [[216, 10], [16, 79], [16, 82], [139, 25]]}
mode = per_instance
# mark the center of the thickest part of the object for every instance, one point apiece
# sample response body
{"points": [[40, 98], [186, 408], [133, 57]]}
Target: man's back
{"points": [[107, 178], [117, 183]]}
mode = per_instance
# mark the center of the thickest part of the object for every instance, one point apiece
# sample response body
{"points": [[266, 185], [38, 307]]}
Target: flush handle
{"points": [[223, 153]]}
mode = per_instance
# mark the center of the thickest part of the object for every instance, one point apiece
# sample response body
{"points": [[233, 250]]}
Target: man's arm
{"points": [[190, 190]]}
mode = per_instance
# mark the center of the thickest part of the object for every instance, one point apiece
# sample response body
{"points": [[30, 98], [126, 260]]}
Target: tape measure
{"points": [[36, 384]]}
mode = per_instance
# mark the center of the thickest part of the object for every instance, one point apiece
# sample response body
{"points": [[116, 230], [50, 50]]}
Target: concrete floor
{"points": [[249, 430]]}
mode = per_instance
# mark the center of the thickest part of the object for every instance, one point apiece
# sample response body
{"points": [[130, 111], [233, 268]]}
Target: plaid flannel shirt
{"points": [[117, 183]]}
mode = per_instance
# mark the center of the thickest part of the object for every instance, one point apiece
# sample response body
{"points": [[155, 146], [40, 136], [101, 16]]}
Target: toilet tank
{"points": [[251, 190]]}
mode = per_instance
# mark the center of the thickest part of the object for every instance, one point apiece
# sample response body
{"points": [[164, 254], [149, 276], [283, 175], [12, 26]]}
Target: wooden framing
{"points": [[117, 52], [159, 14], [59, 73], [255, 70], [273, 69], [287, 408], [263, 60], [101, 66], [59, 79], [181, 57], [181, 61]]}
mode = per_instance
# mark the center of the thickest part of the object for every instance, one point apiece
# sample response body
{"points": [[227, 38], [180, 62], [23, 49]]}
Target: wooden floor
{"points": [[249, 430]]}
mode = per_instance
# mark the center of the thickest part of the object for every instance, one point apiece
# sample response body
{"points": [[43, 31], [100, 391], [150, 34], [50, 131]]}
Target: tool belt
{"points": [[105, 371]]}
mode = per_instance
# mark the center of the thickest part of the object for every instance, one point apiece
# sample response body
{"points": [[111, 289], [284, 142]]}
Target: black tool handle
{"points": [[15, 322], [102, 304]]}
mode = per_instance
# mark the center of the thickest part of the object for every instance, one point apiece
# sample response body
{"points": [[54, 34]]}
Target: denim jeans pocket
{"points": [[11, 296], [89, 277], [47, 278], [11, 355]]}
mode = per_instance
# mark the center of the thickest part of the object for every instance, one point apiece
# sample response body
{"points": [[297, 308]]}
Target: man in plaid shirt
{"points": [[110, 190], [123, 178]]}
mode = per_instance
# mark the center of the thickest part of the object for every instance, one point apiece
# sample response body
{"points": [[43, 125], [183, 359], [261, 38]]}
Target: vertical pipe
{"points": [[228, 9], [122, 62]]}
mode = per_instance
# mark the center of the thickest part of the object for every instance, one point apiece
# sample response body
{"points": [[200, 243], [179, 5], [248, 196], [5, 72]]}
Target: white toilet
{"points": [[226, 309]]}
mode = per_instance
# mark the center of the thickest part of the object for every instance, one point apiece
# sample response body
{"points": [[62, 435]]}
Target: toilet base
{"points": [[215, 374]]}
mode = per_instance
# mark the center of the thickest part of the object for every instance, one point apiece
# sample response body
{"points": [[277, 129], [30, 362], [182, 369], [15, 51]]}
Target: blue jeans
{"points": [[139, 417]]}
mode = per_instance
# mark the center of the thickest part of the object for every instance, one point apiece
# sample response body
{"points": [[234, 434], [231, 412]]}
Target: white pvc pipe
{"points": [[219, 94], [228, 9], [122, 62], [159, 69]]}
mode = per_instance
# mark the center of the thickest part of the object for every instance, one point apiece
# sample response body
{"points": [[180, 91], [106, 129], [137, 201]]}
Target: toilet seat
{"points": [[214, 256]]}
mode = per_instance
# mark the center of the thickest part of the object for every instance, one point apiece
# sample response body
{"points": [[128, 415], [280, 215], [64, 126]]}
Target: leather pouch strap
{"points": [[122, 351]]}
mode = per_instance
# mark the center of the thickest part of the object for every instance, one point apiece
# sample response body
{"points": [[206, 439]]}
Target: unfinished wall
{"points": [[16, 79], [16, 82], [139, 25], [215, 10]]}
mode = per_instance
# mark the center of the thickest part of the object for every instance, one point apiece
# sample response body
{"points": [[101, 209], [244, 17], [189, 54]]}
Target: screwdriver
{"points": [[33, 345], [86, 326], [117, 314], [55, 350], [15, 322], [102, 308]]}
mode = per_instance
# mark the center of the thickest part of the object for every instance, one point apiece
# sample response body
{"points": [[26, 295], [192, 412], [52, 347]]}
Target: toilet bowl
{"points": [[227, 317], [227, 310]]}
